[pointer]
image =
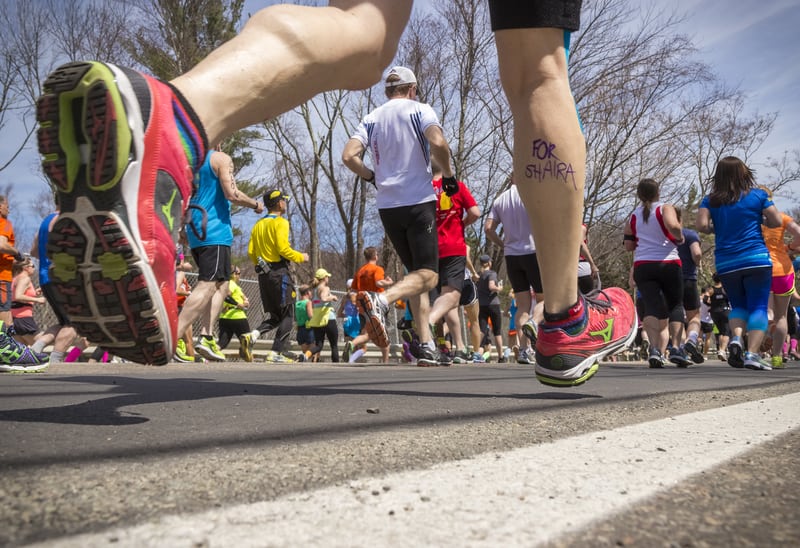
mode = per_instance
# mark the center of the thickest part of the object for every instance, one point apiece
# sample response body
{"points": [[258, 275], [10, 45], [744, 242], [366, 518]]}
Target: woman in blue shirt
{"points": [[733, 213]]}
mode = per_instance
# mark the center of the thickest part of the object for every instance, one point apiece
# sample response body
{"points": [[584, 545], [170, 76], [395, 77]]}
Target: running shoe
{"points": [[527, 356], [246, 348], [477, 357], [778, 362], [209, 349], [430, 357], [275, 357], [679, 358], [113, 152], [348, 350], [462, 356], [370, 305], [180, 353], [15, 357], [531, 330], [753, 361], [690, 347], [721, 356], [655, 360], [568, 354], [735, 353]]}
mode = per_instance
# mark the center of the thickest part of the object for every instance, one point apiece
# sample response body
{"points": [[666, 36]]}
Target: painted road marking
{"points": [[517, 498]]}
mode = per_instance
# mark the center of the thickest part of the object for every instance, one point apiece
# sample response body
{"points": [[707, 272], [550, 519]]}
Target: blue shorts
{"points": [[5, 296]]}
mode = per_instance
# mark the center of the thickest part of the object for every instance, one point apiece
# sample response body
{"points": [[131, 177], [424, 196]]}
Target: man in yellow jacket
{"points": [[271, 253]]}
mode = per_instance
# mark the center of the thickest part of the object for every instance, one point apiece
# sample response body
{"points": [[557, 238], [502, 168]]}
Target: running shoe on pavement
{"points": [[477, 357], [527, 356], [180, 353], [655, 360], [374, 310], [209, 349], [348, 349], [690, 346], [679, 358], [753, 361], [431, 357], [462, 356], [119, 148], [246, 347], [735, 353], [275, 357], [568, 352], [778, 362], [15, 357]]}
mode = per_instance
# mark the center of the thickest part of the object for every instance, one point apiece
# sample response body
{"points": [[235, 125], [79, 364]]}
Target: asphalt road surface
{"points": [[241, 454]]}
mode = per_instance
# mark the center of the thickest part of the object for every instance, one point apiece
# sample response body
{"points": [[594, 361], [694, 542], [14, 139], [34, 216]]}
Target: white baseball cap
{"points": [[405, 75]]}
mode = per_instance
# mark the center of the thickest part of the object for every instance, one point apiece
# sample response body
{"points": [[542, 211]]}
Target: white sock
{"points": [[38, 346]]}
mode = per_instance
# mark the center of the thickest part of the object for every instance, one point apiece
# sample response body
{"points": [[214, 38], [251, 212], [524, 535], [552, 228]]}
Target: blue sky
{"points": [[753, 44]]}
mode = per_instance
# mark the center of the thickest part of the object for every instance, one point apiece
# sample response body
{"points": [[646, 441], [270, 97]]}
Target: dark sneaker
{"points": [[430, 357], [654, 359], [462, 356], [348, 349], [112, 151], [679, 358], [209, 349], [246, 347], [374, 311], [569, 354], [735, 354], [754, 361], [690, 347], [15, 357]]}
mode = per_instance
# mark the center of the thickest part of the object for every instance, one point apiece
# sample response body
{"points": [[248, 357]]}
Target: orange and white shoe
{"points": [[120, 149]]}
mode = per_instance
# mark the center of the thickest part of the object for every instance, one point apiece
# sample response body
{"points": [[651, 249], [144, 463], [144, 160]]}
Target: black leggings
{"points": [[661, 288], [331, 331]]}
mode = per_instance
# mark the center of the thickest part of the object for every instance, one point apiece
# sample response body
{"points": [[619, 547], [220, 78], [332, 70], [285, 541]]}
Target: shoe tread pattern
{"points": [[98, 274]]}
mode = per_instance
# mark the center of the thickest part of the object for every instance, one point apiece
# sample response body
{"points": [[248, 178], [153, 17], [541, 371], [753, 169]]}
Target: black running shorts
{"points": [[523, 273], [529, 14], [213, 263], [412, 231], [451, 272]]}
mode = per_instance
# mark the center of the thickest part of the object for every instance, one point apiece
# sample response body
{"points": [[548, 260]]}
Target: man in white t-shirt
{"points": [[401, 136]]}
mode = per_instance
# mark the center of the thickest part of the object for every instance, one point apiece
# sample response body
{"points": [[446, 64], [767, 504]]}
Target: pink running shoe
{"points": [[568, 353], [117, 147], [73, 355]]}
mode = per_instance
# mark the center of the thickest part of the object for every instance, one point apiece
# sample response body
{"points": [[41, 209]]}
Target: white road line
{"points": [[516, 498]]}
